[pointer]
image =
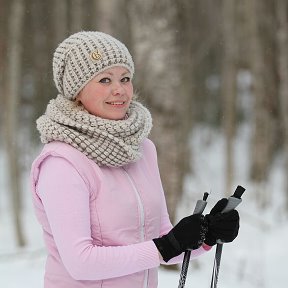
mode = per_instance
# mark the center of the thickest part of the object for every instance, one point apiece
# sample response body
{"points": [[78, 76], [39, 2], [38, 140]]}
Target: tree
{"points": [[263, 136], [282, 40], [3, 29], [77, 15], [229, 70], [13, 80], [60, 20], [159, 82], [108, 21]]}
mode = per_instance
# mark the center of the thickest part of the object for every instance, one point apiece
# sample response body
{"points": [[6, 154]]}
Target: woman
{"points": [[96, 186]]}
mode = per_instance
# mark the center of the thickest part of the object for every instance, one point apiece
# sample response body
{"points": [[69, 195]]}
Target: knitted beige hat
{"points": [[83, 55]]}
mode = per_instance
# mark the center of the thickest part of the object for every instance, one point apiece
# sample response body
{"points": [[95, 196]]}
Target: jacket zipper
{"points": [[142, 220]]}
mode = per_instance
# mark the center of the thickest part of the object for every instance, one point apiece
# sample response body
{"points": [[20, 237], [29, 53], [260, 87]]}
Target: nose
{"points": [[117, 89]]}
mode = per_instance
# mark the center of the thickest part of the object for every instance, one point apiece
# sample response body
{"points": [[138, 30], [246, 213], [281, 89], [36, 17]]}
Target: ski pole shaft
{"points": [[233, 202], [199, 208]]}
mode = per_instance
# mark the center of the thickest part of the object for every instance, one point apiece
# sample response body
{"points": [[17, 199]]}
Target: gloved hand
{"points": [[189, 233], [223, 226]]}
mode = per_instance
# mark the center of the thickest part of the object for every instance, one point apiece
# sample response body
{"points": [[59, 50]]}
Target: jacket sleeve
{"points": [[65, 197]]}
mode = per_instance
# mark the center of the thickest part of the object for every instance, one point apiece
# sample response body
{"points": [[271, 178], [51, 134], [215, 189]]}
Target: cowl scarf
{"points": [[111, 143]]}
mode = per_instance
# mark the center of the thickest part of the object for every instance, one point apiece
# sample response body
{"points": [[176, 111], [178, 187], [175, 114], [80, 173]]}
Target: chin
{"points": [[115, 117], [119, 118]]}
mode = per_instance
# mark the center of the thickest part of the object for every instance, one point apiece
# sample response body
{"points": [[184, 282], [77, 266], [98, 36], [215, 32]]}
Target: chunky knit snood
{"points": [[111, 143]]}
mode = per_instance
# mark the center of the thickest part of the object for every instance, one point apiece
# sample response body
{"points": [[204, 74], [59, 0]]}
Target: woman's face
{"points": [[109, 94]]}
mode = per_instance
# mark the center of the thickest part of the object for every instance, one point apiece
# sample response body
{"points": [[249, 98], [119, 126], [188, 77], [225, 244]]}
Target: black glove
{"points": [[223, 226], [189, 233]]}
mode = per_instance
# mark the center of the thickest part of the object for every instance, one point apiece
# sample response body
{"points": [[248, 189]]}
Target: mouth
{"points": [[116, 103]]}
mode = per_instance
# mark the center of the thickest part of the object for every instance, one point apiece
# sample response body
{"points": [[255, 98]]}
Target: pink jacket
{"points": [[99, 222]]}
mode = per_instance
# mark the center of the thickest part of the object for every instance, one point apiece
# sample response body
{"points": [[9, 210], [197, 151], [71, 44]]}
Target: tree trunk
{"points": [[60, 20], [105, 11], [39, 51], [109, 20], [13, 81], [263, 129], [159, 83], [77, 15], [184, 41], [229, 87], [3, 29], [282, 38]]}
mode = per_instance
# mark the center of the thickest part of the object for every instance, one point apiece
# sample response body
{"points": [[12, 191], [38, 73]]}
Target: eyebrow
{"points": [[111, 74]]}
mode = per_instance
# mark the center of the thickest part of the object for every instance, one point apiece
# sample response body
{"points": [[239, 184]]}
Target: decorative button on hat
{"points": [[96, 55], [82, 56]]}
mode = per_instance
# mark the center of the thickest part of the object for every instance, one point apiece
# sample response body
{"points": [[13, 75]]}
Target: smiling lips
{"points": [[116, 103]]}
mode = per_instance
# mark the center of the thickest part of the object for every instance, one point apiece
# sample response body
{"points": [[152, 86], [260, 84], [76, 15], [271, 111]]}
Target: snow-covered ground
{"points": [[257, 258]]}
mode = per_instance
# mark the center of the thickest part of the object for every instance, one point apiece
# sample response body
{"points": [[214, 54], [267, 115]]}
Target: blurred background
{"points": [[214, 74]]}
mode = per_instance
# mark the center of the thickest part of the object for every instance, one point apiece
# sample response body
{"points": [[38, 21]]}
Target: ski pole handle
{"points": [[201, 204], [233, 202]]}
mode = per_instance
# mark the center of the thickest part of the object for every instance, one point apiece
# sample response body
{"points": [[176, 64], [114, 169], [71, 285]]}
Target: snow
{"points": [[257, 258]]}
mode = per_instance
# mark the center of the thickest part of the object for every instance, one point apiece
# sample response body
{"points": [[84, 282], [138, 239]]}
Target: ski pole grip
{"points": [[234, 200], [201, 204], [199, 208]]}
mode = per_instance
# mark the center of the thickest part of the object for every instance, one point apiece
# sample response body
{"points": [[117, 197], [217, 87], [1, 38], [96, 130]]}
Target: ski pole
{"points": [[199, 208], [233, 202]]}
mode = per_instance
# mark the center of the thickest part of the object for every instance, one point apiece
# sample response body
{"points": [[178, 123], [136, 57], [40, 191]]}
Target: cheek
{"points": [[130, 91], [89, 101]]}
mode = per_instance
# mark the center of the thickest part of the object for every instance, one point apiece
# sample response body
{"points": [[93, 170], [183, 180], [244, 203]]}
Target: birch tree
{"points": [[158, 80]]}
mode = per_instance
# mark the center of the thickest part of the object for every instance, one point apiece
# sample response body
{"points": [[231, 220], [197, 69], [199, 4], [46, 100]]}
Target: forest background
{"points": [[219, 66]]}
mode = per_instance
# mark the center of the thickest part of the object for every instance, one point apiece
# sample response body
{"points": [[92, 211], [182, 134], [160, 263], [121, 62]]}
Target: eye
{"points": [[105, 80], [126, 79]]}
